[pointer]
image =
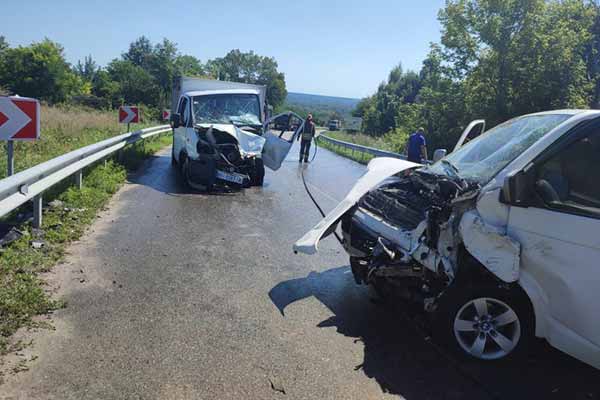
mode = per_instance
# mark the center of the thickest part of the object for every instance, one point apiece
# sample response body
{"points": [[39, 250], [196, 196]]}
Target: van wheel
{"points": [[257, 177], [173, 159], [487, 323]]}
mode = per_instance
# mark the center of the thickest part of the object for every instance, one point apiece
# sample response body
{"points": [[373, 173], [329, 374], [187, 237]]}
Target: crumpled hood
{"points": [[378, 170], [249, 142]]}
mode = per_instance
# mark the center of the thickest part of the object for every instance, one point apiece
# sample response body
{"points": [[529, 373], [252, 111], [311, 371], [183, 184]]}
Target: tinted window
{"points": [[572, 176]]}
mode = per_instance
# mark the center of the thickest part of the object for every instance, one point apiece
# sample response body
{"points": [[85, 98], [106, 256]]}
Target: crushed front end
{"points": [[404, 233], [223, 159]]}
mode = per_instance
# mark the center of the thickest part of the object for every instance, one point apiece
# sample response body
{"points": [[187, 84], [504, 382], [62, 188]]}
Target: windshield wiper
{"points": [[452, 166]]}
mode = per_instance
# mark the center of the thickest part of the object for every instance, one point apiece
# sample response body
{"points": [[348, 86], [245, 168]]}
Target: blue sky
{"points": [[337, 48]]}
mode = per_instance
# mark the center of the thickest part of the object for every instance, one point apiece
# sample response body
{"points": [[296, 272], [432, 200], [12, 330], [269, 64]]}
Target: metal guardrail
{"points": [[361, 149], [31, 183]]}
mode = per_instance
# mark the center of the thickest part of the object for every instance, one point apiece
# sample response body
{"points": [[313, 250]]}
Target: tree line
{"points": [[142, 75], [495, 60]]}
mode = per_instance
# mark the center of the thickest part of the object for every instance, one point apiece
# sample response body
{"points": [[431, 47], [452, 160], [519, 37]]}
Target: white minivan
{"points": [[499, 240]]}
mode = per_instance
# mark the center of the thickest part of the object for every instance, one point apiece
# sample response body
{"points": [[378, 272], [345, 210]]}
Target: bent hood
{"points": [[378, 170], [249, 142]]}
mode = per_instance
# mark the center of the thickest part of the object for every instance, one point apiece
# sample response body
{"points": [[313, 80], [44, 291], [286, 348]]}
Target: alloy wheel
{"points": [[487, 328]]}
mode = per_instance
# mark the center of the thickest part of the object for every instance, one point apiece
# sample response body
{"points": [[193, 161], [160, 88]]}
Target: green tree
{"points": [[41, 71], [87, 69], [249, 67], [136, 85], [189, 66]]}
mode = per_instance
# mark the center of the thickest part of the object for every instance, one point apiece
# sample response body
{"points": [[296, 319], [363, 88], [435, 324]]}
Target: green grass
{"points": [[361, 139], [21, 289]]}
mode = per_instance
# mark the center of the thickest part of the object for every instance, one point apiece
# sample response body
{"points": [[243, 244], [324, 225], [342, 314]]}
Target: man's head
{"points": [[421, 130], [309, 118]]}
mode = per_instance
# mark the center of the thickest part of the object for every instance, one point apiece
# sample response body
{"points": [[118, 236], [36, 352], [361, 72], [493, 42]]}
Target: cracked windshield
{"points": [[300, 200], [239, 109]]}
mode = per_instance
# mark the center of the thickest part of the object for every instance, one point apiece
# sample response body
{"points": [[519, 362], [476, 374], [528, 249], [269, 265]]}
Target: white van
{"points": [[500, 239], [221, 134]]}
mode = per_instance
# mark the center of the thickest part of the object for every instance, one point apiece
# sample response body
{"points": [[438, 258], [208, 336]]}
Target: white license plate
{"points": [[235, 178]]}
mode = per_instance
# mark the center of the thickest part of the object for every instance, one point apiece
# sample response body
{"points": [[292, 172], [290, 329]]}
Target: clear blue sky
{"points": [[338, 48]]}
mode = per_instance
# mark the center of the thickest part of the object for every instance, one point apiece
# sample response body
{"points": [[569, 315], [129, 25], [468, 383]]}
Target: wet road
{"points": [[191, 296]]}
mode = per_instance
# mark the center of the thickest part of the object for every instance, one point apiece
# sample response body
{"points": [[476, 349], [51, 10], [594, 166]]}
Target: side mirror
{"points": [[175, 120], [439, 154], [517, 188]]}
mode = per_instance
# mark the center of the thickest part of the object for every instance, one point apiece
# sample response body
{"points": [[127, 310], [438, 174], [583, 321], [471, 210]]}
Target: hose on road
{"points": [[312, 197]]}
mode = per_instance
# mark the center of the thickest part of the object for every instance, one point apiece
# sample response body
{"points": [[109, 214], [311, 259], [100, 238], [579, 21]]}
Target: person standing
{"points": [[306, 137], [417, 147]]}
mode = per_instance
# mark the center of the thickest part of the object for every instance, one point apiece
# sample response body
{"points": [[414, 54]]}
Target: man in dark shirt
{"points": [[417, 147], [306, 138]]}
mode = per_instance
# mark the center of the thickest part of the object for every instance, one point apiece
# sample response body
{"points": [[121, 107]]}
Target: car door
{"points": [[179, 134], [560, 243], [280, 132], [473, 130]]}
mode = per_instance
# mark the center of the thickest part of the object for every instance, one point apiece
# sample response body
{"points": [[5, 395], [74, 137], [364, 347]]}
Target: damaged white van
{"points": [[500, 239], [221, 135]]}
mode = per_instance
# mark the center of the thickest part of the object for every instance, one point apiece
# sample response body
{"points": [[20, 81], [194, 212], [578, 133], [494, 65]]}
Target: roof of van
{"points": [[221, 91]]}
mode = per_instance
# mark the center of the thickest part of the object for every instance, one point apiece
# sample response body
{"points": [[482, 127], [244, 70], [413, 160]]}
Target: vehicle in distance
{"points": [[334, 125], [220, 134], [498, 240]]}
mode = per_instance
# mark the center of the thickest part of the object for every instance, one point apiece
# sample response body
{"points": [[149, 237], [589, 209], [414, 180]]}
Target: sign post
{"points": [[166, 115], [19, 120], [128, 115]]}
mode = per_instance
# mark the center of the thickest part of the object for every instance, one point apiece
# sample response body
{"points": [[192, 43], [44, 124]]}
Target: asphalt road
{"points": [[176, 295]]}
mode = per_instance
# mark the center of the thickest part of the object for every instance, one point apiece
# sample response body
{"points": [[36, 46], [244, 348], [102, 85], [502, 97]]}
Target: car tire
{"points": [[488, 323], [257, 178], [173, 159]]}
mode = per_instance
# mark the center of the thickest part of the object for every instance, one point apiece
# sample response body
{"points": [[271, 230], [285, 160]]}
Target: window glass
{"points": [[184, 111], [572, 176], [483, 157]]}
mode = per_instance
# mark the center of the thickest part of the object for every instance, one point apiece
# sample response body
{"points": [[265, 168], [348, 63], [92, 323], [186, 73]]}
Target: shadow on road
{"points": [[404, 361]]}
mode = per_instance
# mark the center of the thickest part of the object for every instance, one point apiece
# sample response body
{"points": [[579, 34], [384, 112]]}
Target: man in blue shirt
{"points": [[416, 147]]}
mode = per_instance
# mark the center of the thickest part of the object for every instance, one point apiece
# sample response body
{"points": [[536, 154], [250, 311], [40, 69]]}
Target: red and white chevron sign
{"points": [[19, 118], [129, 115], [166, 115]]}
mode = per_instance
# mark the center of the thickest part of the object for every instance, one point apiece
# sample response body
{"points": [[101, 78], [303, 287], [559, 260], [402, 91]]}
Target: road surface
{"points": [[175, 295]]}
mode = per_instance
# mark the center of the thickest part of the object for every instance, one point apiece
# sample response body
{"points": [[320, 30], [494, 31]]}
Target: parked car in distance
{"points": [[334, 125], [498, 240]]}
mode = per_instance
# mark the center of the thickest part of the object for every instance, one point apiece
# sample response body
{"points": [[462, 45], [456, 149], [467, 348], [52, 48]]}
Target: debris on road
{"points": [[276, 384]]}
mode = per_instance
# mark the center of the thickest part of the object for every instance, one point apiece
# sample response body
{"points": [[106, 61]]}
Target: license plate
{"points": [[235, 178]]}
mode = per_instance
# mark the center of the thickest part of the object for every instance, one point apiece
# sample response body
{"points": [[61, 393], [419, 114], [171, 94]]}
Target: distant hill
{"points": [[322, 107]]}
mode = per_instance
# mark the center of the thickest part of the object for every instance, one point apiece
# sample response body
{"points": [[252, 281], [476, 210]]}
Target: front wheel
{"points": [[485, 323]]}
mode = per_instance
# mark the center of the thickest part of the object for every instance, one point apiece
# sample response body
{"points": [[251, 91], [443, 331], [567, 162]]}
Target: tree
{"points": [[251, 68], [136, 85], [140, 52], [88, 69], [189, 66], [41, 71]]}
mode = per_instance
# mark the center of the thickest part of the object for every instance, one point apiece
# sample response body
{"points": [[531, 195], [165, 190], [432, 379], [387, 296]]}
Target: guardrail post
{"points": [[79, 179], [37, 211]]}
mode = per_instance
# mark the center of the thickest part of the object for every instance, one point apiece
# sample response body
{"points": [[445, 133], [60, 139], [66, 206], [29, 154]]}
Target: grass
{"points": [[64, 129], [22, 294], [381, 143]]}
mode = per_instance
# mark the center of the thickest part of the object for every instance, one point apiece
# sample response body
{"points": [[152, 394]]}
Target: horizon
{"points": [[349, 55]]}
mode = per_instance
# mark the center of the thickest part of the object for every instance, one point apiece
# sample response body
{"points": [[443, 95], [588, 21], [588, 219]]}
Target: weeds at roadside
{"points": [[22, 294]]}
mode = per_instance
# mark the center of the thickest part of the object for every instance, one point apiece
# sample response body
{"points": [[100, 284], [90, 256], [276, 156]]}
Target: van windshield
{"points": [[482, 158], [238, 109]]}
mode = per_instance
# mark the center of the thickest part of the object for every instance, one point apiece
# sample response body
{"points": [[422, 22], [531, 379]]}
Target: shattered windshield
{"points": [[238, 109], [481, 159]]}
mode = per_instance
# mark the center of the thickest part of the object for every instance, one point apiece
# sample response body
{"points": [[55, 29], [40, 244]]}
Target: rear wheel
{"points": [[487, 323], [173, 159]]}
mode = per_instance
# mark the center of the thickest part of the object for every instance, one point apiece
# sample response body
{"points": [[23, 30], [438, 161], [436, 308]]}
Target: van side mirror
{"points": [[439, 154], [175, 120], [517, 188]]}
